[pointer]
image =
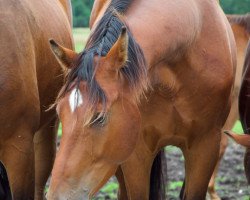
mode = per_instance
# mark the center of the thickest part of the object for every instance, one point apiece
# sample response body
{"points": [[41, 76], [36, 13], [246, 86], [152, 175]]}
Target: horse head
{"points": [[95, 111]]}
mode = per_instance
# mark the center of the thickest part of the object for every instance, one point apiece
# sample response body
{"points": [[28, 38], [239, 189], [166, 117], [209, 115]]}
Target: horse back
{"points": [[29, 71]]}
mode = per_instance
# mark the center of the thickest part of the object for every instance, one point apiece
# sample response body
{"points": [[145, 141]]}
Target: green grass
{"points": [[110, 189], [80, 37], [59, 132], [175, 185], [237, 127]]}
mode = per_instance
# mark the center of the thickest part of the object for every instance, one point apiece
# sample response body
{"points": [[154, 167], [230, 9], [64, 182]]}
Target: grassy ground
{"points": [[110, 189], [80, 37]]}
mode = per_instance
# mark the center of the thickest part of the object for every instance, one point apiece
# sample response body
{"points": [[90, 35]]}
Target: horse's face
{"points": [[92, 147]]}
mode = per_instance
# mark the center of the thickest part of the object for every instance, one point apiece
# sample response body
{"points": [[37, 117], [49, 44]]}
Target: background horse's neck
{"points": [[68, 9], [98, 10]]}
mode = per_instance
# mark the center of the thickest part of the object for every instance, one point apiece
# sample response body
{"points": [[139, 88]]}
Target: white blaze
{"points": [[75, 99]]}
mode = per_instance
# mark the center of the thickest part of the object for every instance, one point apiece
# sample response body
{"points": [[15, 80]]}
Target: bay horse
{"points": [[241, 28], [30, 80], [153, 73]]}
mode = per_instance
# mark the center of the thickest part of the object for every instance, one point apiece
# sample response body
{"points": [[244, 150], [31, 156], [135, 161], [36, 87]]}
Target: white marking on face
{"points": [[75, 99]]}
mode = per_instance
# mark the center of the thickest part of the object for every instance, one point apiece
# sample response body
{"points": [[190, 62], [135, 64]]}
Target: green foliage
{"points": [[235, 6], [81, 12], [82, 9]]}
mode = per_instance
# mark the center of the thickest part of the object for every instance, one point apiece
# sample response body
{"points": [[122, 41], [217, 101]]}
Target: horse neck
{"points": [[68, 9], [242, 36]]}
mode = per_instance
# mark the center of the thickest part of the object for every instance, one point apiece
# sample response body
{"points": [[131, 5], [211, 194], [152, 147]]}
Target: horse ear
{"points": [[119, 52], [65, 56]]}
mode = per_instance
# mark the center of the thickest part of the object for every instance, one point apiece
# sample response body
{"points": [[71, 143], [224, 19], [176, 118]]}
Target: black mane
{"points": [[101, 40], [243, 20]]}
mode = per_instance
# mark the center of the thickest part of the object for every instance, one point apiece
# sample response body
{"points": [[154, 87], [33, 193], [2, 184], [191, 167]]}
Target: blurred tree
{"points": [[81, 12], [82, 9], [235, 6]]}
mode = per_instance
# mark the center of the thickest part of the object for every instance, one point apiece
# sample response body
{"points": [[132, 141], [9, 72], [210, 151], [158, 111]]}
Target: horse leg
{"points": [[17, 154], [232, 117], [136, 171], [122, 193], [45, 148], [211, 186], [5, 192], [200, 160]]}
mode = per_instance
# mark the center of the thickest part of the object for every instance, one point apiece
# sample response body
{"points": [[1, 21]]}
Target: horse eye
{"points": [[98, 119]]}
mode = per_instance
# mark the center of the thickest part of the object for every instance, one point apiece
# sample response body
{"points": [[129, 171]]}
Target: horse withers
{"points": [[153, 73], [29, 83]]}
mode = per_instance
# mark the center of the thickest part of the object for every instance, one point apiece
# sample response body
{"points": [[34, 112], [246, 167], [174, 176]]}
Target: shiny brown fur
{"points": [[191, 59], [241, 28], [30, 79]]}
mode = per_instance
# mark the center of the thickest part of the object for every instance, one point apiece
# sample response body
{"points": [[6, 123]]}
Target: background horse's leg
{"points": [[17, 153], [211, 187], [200, 161], [5, 192], [122, 193], [45, 149], [182, 190], [232, 117]]}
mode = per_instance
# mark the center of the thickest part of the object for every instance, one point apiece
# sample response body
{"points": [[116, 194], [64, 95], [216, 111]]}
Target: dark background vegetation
{"points": [[82, 8]]}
